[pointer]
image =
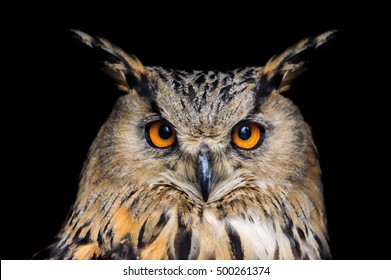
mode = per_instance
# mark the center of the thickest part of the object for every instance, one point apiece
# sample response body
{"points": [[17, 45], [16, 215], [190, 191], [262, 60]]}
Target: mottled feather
{"points": [[139, 201]]}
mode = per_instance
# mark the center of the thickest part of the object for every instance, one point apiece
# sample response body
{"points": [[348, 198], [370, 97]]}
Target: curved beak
{"points": [[204, 172]]}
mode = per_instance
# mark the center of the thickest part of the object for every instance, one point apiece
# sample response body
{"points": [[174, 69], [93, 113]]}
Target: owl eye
{"points": [[246, 135], [160, 134]]}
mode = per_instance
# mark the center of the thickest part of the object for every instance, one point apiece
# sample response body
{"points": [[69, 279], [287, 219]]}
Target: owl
{"points": [[199, 165]]}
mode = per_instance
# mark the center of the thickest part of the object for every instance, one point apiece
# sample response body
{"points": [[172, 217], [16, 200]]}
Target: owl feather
{"points": [[199, 165]]}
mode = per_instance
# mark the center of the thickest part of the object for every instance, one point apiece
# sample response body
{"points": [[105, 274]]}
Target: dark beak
{"points": [[204, 172]]}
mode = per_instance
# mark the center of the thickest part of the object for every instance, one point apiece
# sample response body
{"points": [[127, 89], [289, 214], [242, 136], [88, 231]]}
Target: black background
{"points": [[55, 99]]}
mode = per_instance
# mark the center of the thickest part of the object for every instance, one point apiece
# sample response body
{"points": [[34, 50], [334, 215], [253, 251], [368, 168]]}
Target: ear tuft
{"points": [[281, 70], [127, 71]]}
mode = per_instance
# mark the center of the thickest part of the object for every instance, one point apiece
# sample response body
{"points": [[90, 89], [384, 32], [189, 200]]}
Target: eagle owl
{"points": [[199, 165]]}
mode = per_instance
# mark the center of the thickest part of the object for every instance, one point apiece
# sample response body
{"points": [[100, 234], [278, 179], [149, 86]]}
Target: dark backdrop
{"points": [[55, 99]]}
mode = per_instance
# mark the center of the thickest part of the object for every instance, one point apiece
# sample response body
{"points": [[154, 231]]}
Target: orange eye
{"points": [[247, 135], [160, 134]]}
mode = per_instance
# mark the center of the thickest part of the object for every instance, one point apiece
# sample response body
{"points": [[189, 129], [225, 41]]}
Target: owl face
{"points": [[199, 165], [205, 131]]}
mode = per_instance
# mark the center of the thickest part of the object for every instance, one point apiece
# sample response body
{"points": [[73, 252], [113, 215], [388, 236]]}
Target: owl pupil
{"points": [[244, 132], [165, 132]]}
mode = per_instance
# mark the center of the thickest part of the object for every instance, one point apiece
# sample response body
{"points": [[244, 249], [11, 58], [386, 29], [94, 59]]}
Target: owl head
{"points": [[200, 164], [207, 133]]}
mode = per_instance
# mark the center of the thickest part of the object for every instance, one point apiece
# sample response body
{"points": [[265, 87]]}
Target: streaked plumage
{"points": [[202, 197]]}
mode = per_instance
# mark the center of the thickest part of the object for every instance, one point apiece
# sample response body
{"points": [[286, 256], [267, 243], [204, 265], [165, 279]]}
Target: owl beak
{"points": [[204, 172]]}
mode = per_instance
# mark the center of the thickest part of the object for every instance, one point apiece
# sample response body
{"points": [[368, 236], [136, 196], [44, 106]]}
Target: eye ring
{"points": [[247, 135], [160, 134]]}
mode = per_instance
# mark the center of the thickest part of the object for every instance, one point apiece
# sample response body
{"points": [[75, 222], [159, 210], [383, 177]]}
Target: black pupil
{"points": [[244, 132], [165, 132]]}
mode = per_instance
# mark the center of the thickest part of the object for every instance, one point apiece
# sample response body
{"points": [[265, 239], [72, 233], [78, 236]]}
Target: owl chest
{"points": [[206, 235], [203, 232]]}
